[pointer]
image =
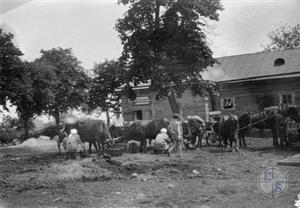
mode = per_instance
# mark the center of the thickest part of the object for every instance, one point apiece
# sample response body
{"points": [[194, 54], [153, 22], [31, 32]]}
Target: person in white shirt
{"points": [[117, 125], [118, 120], [162, 142], [73, 145]]}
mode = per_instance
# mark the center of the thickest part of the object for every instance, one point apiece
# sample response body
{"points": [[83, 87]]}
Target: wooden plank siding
{"points": [[249, 96], [254, 96], [156, 109]]}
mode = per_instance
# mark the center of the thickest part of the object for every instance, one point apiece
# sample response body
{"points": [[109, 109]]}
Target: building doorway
{"points": [[137, 115]]}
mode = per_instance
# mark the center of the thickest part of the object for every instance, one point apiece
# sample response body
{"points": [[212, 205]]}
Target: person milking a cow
{"points": [[73, 145], [162, 142]]}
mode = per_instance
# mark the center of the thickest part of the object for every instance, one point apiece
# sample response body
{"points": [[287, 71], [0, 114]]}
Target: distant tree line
{"points": [[284, 37]]}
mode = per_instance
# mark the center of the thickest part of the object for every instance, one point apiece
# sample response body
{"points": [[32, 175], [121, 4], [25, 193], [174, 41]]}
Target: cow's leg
{"points": [[240, 139], [220, 139], [58, 146], [282, 138], [90, 147], [150, 141], [206, 138], [236, 142], [143, 145], [230, 144], [244, 141], [102, 147], [225, 141], [99, 147], [199, 139], [95, 146], [275, 137], [236, 147]]}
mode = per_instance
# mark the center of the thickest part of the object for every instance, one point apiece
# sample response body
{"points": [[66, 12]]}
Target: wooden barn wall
{"points": [[192, 105], [249, 95]]}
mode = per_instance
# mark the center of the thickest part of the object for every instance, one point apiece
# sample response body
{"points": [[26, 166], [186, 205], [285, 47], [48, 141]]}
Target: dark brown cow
{"points": [[141, 130], [231, 131], [92, 131], [227, 130]]}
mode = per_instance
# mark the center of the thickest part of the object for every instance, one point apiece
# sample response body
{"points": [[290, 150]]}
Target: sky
{"points": [[87, 26]]}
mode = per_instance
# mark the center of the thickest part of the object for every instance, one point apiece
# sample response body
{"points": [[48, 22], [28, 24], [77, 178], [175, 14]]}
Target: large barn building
{"points": [[251, 82], [247, 83]]}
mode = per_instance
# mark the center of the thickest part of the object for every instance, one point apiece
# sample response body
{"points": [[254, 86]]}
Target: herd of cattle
{"points": [[227, 130]]}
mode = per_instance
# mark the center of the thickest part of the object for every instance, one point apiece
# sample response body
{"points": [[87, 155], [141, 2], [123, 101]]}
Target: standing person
{"points": [[162, 142], [73, 145], [175, 129], [117, 125]]}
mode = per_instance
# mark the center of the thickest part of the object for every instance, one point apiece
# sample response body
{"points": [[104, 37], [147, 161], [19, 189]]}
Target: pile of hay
{"points": [[72, 170], [43, 143]]}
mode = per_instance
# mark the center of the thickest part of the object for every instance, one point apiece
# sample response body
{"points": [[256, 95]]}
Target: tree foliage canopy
{"points": [[72, 85], [102, 92], [30, 92], [164, 43], [284, 37], [9, 65]]}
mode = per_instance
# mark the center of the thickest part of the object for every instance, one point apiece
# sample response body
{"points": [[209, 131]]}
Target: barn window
{"points": [[279, 62], [227, 103], [287, 98]]}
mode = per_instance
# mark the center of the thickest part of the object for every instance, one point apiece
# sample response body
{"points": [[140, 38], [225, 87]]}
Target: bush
{"points": [[9, 122], [9, 134], [12, 128]]}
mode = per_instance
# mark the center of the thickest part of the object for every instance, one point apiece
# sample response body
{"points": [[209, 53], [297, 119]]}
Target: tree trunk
{"points": [[174, 104], [157, 9], [26, 128], [56, 116], [107, 117]]}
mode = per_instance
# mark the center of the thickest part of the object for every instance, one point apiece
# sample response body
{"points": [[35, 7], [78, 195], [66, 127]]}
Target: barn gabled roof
{"points": [[256, 66], [250, 67]]}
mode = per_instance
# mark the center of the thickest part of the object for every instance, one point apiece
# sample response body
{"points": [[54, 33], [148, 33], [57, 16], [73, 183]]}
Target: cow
{"points": [[231, 131], [92, 131], [227, 130], [218, 126], [196, 128], [141, 130]]}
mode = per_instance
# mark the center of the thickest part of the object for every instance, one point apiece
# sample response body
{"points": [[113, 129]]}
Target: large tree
{"points": [[103, 92], [31, 92], [284, 37], [72, 85], [164, 43], [9, 65]]}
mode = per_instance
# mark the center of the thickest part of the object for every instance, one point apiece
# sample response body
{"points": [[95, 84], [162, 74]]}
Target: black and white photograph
{"points": [[150, 103]]}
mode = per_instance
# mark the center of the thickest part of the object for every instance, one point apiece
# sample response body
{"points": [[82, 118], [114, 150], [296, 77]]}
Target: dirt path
{"points": [[209, 177]]}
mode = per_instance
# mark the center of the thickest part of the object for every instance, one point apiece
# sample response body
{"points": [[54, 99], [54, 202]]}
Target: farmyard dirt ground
{"points": [[209, 177]]}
